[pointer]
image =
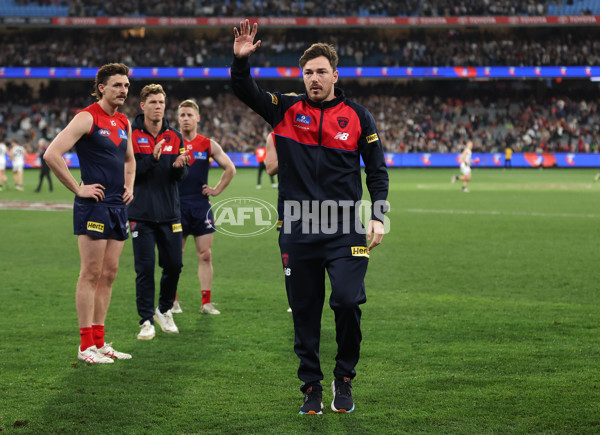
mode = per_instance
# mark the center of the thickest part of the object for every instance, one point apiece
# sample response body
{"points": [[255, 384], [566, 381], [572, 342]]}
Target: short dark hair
{"points": [[317, 50], [152, 89], [105, 72]]}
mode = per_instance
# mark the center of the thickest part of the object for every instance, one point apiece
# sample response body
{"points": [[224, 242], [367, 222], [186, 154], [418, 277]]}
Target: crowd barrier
{"points": [[417, 160]]}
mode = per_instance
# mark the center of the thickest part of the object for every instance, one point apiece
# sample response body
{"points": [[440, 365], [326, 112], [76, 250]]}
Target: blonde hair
{"points": [[151, 89], [188, 103]]}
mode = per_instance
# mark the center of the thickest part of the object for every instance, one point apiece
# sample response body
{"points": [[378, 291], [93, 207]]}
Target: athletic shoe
{"points": [[464, 189], [165, 321], [258, 186], [313, 402], [274, 185], [147, 331], [342, 396], [19, 188], [209, 309], [176, 308], [108, 351], [454, 177], [91, 355], [290, 310]]}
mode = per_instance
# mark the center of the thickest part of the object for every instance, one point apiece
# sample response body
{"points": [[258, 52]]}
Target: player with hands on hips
{"points": [[102, 138]]}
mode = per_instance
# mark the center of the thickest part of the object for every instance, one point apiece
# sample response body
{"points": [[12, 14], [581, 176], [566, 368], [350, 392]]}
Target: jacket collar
{"points": [[339, 97]]}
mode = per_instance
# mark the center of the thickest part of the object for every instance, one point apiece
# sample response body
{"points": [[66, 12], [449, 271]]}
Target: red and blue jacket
{"points": [[155, 192], [319, 145]]}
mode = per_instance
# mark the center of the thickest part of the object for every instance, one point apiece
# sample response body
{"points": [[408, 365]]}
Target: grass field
{"points": [[483, 316]]}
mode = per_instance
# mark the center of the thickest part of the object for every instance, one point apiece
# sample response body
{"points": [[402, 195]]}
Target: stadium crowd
{"points": [[385, 47], [407, 123], [309, 8]]}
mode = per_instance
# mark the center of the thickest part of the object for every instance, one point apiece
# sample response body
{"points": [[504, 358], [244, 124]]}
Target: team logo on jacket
{"points": [[286, 259], [303, 119], [104, 132], [343, 121]]}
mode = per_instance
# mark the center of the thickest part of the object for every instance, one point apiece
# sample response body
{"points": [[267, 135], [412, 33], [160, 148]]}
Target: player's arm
{"points": [[129, 169], [79, 126], [224, 162], [181, 165], [271, 161], [377, 180]]}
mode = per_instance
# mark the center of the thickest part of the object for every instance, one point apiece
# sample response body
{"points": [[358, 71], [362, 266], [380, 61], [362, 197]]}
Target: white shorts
{"points": [[465, 169], [18, 166], [2, 163]]}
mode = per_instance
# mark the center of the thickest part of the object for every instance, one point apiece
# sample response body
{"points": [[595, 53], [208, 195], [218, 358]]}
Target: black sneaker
{"points": [[313, 402], [342, 395]]}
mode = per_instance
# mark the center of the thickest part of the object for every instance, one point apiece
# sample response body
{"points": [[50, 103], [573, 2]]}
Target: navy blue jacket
{"points": [[155, 192], [319, 145]]}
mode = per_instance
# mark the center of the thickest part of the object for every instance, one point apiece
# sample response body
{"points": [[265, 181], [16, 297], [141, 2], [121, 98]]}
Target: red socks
{"points": [[205, 297], [98, 332], [87, 338]]}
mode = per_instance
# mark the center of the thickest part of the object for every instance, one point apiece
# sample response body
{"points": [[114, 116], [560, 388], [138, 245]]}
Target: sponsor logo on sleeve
{"points": [[177, 228], [359, 251], [122, 134], [274, 98], [372, 138], [95, 226]]}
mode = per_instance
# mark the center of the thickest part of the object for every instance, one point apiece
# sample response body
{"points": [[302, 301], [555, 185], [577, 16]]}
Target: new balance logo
{"points": [[341, 136]]}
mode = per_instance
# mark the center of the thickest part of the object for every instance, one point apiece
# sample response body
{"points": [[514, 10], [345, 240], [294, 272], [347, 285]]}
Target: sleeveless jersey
{"points": [[18, 155], [190, 189], [467, 157], [101, 155], [3, 152]]}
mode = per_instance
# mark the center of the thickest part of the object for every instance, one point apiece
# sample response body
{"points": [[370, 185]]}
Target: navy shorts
{"points": [[198, 220], [100, 221]]}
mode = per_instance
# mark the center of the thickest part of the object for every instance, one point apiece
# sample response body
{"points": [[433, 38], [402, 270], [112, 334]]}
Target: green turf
{"points": [[483, 316]]}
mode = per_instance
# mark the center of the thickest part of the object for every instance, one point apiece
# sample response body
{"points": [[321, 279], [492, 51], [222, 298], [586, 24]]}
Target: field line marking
{"points": [[500, 213]]}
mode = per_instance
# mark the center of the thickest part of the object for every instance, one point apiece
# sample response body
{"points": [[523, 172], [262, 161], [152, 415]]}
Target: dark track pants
{"points": [[304, 268], [145, 237]]}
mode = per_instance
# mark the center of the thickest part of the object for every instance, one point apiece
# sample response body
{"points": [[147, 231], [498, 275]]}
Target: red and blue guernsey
{"points": [[101, 155], [190, 189]]}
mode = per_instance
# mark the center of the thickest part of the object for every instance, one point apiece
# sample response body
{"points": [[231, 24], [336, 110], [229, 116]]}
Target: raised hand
{"points": [[244, 45]]}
